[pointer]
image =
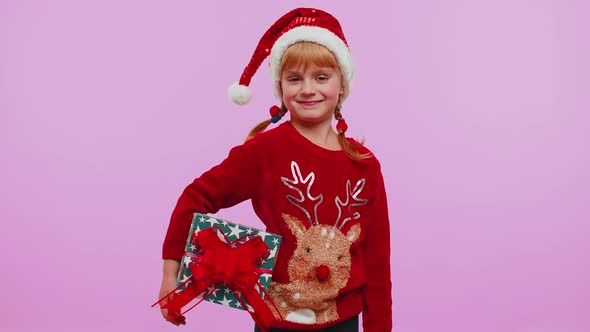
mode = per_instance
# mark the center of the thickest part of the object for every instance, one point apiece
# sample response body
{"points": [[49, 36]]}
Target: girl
{"points": [[322, 192]]}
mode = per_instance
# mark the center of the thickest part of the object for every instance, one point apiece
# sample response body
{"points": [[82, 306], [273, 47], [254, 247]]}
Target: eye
{"points": [[307, 250], [293, 79], [322, 78]]}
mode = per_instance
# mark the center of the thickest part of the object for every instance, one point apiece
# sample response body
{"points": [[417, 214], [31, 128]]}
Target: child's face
{"points": [[311, 94]]}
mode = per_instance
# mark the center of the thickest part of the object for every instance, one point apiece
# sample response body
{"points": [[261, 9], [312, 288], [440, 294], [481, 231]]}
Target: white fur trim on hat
{"points": [[317, 35], [239, 94]]}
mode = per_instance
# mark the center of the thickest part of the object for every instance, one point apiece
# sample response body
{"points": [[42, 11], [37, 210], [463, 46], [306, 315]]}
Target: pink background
{"points": [[476, 109]]}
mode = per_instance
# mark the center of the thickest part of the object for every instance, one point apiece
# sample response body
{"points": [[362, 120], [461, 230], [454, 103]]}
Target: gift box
{"points": [[233, 235]]}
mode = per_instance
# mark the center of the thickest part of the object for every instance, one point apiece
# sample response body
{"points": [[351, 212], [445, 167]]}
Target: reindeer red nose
{"points": [[322, 272]]}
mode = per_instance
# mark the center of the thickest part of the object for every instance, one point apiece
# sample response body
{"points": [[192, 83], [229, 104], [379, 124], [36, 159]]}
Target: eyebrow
{"points": [[326, 70]]}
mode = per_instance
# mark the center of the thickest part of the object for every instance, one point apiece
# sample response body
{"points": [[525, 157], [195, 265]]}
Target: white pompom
{"points": [[239, 94]]}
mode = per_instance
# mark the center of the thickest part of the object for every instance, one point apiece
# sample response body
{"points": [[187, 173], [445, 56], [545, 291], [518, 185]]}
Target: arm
{"points": [[377, 311], [231, 182]]}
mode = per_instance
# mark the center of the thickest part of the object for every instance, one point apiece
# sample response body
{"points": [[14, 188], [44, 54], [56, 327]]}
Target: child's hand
{"points": [[170, 270], [168, 285]]}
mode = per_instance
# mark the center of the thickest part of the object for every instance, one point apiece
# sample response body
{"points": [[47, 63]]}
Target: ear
{"points": [[296, 226], [353, 233]]}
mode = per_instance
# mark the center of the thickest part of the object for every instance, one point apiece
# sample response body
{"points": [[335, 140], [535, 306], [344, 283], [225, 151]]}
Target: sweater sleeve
{"points": [[232, 181], [377, 310]]}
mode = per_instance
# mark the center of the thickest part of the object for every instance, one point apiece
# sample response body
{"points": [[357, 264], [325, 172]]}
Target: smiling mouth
{"points": [[309, 103]]}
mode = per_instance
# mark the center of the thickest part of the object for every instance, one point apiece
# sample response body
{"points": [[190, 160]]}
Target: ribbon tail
{"points": [[261, 325], [262, 313], [278, 312]]}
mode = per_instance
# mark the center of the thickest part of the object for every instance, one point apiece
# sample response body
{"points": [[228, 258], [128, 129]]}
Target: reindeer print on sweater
{"points": [[321, 263]]}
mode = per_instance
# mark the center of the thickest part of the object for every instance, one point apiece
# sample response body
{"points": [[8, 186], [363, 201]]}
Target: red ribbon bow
{"points": [[234, 266]]}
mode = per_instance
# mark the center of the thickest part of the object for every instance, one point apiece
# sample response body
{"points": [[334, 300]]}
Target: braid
{"points": [[264, 124], [351, 149], [338, 116]]}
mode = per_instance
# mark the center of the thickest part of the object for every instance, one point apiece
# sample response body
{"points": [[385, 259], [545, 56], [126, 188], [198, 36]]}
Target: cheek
{"points": [[288, 91], [332, 92], [289, 94], [342, 273], [300, 268]]}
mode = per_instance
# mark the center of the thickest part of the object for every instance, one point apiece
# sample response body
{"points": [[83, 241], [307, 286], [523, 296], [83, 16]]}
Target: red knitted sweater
{"points": [[332, 214]]}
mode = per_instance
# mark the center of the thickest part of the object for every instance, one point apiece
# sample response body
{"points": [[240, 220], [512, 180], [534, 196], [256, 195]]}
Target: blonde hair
{"points": [[304, 54]]}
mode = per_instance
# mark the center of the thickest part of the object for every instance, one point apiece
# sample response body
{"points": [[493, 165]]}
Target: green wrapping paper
{"points": [[224, 295]]}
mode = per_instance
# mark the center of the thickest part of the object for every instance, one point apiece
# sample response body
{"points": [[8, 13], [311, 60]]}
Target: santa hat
{"points": [[301, 24]]}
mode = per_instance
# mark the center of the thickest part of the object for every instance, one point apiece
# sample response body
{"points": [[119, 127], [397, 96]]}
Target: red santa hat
{"points": [[301, 24]]}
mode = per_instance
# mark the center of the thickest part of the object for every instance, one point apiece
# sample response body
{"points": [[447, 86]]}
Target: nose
{"points": [[322, 272], [307, 87]]}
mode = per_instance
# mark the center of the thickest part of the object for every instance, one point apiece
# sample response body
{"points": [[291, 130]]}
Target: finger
{"points": [[162, 310], [164, 313], [173, 317], [163, 303], [170, 319]]}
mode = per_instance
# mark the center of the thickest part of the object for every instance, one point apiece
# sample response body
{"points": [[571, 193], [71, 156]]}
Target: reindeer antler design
{"points": [[297, 201], [356, 201]]}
